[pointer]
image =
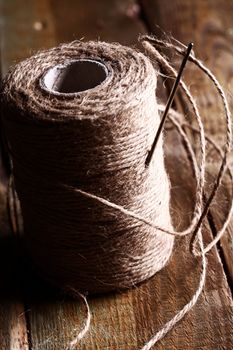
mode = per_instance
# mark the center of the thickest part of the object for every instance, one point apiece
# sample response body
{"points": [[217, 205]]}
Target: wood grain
{"points": [[25, 28], [120, 320], [117, 20]]}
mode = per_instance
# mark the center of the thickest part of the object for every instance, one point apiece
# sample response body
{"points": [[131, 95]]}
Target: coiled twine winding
{"points": [[95, 141]]}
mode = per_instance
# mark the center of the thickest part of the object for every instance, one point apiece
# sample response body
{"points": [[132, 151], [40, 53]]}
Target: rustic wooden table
{"points": [[32, 315]]}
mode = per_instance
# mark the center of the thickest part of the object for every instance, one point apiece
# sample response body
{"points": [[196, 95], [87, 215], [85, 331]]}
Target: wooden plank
{"points": [[46, 23], [209, 25], [20, 35], [25, 28], [13, 328], [117, 20], [128, 319]]}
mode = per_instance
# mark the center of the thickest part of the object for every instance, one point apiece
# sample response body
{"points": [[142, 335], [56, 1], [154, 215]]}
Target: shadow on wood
{"points": [[18, 275]]}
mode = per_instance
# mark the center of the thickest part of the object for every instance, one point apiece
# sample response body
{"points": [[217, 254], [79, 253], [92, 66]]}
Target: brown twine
{"points": [[95, 141], [112, 228]]}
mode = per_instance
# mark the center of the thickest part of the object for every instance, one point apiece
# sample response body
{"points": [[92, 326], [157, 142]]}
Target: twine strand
{"points": [[228, 142], [72, 345], [180, 314]]}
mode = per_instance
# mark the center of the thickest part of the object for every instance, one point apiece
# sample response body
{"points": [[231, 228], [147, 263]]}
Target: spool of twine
{"points": [[79, 121], [81, 118]]}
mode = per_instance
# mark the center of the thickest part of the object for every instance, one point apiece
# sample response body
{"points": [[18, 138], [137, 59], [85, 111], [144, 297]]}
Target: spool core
{"points": [[74, 76]]}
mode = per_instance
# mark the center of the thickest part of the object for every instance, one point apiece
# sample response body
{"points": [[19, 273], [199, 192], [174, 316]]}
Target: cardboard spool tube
{"points": [[74, 76]]}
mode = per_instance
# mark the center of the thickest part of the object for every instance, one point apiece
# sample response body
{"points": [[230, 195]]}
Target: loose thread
{"points": [[87, 320], [179, 124]]}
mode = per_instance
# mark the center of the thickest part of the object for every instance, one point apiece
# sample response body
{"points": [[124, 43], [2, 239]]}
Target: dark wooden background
{"points": [[35, 317]]}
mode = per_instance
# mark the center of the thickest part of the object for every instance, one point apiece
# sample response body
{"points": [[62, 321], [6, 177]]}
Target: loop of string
{"points": [[86, 325]]}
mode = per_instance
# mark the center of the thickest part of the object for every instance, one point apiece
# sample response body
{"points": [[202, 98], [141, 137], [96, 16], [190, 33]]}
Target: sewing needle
{"points": [[169, 102]]}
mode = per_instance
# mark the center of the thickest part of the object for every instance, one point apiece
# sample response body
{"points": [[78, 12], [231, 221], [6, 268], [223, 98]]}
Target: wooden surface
{"points": [[35, 317]]}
